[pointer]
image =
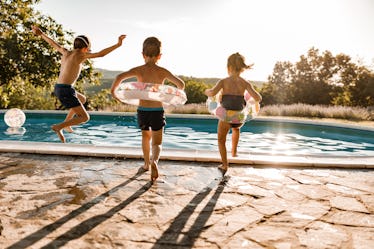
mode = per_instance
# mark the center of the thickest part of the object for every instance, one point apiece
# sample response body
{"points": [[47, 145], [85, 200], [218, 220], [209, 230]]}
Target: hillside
{"points": [[109, 75]]}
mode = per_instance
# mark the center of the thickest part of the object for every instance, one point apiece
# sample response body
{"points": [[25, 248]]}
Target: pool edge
{"points": [[45, 148]]}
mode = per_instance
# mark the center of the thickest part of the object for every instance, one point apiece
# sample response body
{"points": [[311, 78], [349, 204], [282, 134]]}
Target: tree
{"points": [[320, 78], [27, 63], [194, 90], [276, 91]]}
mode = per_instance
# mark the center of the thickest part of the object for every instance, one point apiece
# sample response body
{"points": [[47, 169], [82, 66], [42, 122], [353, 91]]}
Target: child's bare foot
{"points": [[69, 129], [234, 154], [143, 169], [58, 132], [222, 169], [154, 171]]}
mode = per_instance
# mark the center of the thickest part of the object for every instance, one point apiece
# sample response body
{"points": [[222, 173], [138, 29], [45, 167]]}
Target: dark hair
{"points": [[236, 63], [81, 41], [151, 47]]}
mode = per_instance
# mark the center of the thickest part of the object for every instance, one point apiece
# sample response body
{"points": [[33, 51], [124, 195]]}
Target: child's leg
{"points": [[146, 147], [223, 129], [156, 150], [80, 116], [71, 113], [235, 141]]}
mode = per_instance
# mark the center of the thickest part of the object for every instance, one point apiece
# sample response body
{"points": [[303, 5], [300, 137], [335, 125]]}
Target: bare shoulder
{"points": [[225, 81], [162, 70]]}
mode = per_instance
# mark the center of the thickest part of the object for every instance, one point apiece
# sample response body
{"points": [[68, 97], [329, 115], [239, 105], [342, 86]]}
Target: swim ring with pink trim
{"points": [[249, 112], [132, 92]]}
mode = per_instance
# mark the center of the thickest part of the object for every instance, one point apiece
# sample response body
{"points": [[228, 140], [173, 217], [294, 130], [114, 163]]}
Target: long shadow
{"points": [[89, 224], [169, 239], [43, 232]]}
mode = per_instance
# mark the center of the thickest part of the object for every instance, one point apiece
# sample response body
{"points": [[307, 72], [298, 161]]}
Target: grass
{"points": [[319, 111], [294, 110]]}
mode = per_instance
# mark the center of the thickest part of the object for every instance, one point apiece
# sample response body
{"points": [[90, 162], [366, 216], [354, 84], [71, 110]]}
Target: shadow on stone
{"points": [[170, 238], [43, 232], [89, 224]]}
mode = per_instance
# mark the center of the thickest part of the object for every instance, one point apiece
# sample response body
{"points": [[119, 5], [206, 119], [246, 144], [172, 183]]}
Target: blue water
{"points": [[257, 136]]}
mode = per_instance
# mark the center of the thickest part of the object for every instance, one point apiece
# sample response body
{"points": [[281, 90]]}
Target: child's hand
{"points": [[36, 30], [208, 92], [120, 39]]}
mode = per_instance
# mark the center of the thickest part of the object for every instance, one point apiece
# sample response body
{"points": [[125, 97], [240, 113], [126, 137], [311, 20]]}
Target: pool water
{"points": [[187, 132]]}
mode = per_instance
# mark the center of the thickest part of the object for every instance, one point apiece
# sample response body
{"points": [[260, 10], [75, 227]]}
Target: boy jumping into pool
{"points": [[151, 118], [71, 65], [233, 89]]}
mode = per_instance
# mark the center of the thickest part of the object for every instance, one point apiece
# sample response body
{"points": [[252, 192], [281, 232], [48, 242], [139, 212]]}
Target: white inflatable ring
{"points": [[249, 112], [132, 92]]}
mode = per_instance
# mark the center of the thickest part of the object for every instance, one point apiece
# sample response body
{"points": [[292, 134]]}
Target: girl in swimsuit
{"points": [[233, 89]]}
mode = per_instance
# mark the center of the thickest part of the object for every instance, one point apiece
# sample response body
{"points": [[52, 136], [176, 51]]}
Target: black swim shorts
{"points": [[151, 118], [239, 125], [67, 95]]}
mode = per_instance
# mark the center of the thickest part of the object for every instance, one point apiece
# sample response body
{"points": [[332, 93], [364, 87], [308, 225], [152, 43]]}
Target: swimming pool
{"points": [[260, 136]]}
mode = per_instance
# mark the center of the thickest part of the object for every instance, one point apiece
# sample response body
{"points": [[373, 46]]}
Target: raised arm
{"points": [[36, 30], [214, 90], [108, 49]]}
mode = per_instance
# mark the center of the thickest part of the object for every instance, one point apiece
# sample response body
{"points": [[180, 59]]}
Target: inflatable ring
{"points": [[249, 112], [132, 92]]}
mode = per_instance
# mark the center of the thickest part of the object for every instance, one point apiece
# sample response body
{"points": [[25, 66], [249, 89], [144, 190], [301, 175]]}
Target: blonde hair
{"points": [[236, 63], [151, 47]]}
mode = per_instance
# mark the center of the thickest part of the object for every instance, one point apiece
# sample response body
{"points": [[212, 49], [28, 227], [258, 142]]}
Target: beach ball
{"points": [[14, 117]]}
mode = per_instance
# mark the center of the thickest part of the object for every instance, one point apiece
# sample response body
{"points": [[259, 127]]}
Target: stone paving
{"points": [[85, 202]]}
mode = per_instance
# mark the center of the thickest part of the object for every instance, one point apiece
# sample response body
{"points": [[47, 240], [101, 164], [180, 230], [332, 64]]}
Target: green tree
{"points": [[311, 82], [28, 65], [320, 78], [194, 90], [277, 90]]}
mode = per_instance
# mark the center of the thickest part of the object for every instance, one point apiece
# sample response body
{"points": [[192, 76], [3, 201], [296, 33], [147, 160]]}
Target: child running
{"points": [[233, 89], [150, 114], [71, 65]]}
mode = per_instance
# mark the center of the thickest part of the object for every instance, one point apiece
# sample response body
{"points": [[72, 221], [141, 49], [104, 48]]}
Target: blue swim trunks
{"points": [[67, 95]]}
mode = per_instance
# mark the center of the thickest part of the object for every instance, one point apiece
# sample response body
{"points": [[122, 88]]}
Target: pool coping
{"points": [[47, 148]]}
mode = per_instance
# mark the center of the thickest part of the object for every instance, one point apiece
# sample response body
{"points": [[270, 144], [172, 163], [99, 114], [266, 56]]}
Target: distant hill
{"points": [[109, 75]]}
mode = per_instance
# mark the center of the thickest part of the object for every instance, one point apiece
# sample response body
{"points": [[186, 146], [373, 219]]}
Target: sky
{"points": [[198, 35]]}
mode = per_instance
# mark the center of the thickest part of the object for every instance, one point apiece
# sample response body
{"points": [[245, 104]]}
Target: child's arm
{"points": [[121, 77], [107, 50], [253, 92], [36, 30], [177, 81], [213, 91]]}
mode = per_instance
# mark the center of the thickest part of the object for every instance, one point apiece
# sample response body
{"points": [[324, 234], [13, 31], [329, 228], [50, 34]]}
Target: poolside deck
{"points": [[64, 201]]}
